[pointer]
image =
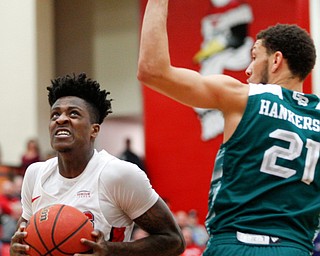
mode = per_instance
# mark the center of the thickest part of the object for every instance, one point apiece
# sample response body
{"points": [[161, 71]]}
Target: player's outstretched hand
{"points": [[17, 247], [99, 246]]}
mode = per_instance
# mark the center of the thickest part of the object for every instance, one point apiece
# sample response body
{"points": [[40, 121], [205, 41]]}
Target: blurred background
{"points": [[45, 39]]}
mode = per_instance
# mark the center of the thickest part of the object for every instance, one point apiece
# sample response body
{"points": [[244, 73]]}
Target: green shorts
{"points": [[228, 245]]}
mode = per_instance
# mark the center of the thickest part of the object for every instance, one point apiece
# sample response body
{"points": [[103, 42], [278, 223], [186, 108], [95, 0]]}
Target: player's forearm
{"points": [[157, 245], [154, 57]]}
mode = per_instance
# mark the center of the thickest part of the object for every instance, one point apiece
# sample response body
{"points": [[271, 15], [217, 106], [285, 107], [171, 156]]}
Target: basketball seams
{"points": [[68, 237], [55, 224], [34, 248], [38, 231], [52, 231]]}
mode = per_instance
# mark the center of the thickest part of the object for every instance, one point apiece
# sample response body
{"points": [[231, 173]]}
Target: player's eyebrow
{"points": [[253, 48]]}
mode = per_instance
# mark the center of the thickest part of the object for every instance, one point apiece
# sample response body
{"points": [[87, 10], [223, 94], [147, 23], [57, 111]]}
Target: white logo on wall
{"points": [[226, 46]]}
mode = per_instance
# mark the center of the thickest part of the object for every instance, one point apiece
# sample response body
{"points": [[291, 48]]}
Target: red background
{"points": [[179, 163]]}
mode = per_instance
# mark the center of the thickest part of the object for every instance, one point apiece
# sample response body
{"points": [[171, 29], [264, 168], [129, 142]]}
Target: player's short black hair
{"points": [[84, 88], [295, 44]]}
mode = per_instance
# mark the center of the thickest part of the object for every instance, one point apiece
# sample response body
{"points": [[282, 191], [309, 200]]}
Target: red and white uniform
{"points": [[111, 192]]}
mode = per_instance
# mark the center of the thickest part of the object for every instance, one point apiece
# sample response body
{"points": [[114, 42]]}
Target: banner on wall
{"points": [[226, 45], [212, 37]]}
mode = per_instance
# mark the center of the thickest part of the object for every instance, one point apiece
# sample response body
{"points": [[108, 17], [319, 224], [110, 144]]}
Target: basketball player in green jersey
{"points": [[265, 192]]}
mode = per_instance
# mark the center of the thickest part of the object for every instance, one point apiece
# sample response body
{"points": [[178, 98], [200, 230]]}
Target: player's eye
{"points": [[54, 116], [74, 113]]}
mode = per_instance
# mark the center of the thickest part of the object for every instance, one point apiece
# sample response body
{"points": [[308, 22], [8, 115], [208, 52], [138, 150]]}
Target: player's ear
{"points": [[277, 61], [95, 128]]}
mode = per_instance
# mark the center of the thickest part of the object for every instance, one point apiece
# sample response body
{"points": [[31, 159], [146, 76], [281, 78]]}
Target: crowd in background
{"points": [[10, 193], [194, 232], [10, 210]]}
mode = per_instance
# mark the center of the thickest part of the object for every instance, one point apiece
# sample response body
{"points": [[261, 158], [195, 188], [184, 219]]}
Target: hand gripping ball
{"points": [[56, 230]]}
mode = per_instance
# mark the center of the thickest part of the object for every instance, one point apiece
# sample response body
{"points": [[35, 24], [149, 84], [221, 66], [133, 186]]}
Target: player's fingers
{"points": [[95, 247], [18, 236], [87, 242], [99, 238], [17, 249], [99, 246], [16, 246], [22, 226], [99, 235]]}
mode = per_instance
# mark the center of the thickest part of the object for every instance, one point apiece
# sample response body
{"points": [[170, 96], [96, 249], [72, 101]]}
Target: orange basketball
{"points": [[57, 230]]}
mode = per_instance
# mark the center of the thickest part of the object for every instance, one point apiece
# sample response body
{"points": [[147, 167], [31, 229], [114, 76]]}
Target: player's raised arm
{"points": [[186, 86]]}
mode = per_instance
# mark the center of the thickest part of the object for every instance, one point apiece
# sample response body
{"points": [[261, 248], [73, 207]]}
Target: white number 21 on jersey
{"points": [[294, 151]]}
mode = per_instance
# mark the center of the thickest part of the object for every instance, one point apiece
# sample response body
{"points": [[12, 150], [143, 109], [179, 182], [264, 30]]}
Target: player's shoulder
{"points": [[116, 168], [39, 168], [113, 163]]}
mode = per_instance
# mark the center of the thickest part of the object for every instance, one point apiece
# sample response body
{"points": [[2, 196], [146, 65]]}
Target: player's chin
{"points": [[62, 147]]}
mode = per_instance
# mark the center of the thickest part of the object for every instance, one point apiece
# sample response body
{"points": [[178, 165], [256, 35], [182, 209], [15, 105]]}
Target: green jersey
{"points": [[267, 175]]}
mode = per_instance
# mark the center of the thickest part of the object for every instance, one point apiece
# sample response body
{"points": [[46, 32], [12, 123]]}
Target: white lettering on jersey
{"points": [[278, 111], [302, 100]]}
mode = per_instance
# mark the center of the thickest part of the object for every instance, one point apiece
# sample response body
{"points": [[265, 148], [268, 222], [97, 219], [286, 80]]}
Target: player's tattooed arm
{"points": [[165, 236]]}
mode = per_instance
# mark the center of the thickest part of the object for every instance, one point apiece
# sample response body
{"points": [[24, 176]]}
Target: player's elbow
{"points": [[181, 244], [142, 74], [174, 244], [146, 73], [151, 72]]}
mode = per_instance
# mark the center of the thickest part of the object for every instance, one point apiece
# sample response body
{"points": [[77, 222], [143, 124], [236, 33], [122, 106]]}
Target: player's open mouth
{"points": [[62, 133]]}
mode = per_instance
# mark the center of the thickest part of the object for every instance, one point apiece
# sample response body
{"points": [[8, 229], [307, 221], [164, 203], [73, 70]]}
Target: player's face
{"points": [[258, 70], [70, 126]]}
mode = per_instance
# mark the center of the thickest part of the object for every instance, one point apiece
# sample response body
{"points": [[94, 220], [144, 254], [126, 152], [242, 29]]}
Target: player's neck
{"points": [[71, 166], [288, 82]]}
